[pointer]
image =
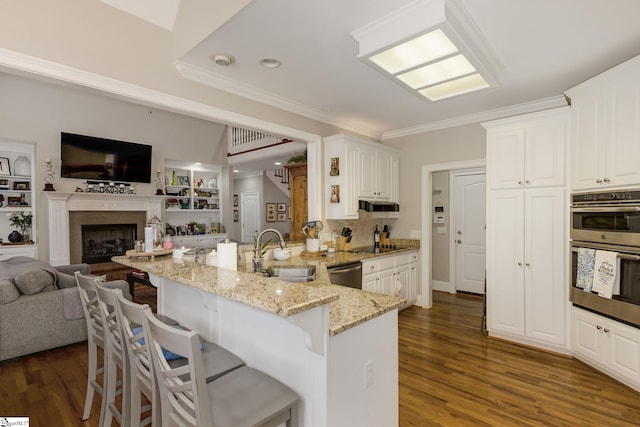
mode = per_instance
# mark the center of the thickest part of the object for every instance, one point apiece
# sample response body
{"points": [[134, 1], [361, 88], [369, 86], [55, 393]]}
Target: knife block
{"points": [[342, 244]]}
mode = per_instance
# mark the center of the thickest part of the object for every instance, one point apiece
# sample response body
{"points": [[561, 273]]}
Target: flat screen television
{"points": [[101, 159]]}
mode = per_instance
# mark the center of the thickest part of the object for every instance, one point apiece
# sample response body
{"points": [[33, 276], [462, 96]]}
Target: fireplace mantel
{"points": [[60, 204]]}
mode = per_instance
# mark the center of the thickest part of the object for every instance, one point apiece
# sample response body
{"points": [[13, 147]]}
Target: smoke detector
{"points": [[222, 59]]}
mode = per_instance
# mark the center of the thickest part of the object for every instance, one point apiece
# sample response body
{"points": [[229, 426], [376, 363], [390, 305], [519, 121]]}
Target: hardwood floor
{"points": [[450, 375], [453, 375]]}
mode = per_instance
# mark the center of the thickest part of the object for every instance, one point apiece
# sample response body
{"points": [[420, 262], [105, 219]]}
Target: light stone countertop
{"points": [[348, 307]]}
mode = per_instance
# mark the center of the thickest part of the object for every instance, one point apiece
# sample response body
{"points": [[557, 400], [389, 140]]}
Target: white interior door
{"points": [[469, 232], [250, 218]]}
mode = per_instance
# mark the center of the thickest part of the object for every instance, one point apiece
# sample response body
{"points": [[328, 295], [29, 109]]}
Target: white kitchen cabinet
{"points": [[365, 171], [608, 345], [391, 275], [526, 254], [377, 174], [346, 151], [605, 122], [527, 151]]}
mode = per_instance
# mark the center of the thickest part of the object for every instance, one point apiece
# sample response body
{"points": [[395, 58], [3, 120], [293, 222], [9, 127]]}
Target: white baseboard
{"points": [[437, 285]]}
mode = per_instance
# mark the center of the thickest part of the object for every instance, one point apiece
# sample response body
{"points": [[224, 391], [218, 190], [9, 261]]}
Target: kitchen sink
{"points": [[292, 274]]}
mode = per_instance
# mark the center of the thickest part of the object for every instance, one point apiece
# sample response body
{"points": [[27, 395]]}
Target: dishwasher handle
{"points": [[346, 270]]}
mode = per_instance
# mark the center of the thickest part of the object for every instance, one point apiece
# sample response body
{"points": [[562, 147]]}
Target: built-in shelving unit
{"points": [[17, 194], [192, 196]]}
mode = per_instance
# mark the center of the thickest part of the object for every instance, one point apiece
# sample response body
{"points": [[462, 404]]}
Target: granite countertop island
{"points": [[324, 341], [348, 307]]}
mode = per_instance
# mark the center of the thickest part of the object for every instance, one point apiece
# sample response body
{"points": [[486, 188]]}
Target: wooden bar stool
{"points": [[217, 360], [117, 359], [242, 397], [95, 340]]}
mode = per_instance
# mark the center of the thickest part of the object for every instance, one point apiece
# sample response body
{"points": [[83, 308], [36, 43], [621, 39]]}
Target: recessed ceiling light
{"points": [[236, 171], [277, 163], [222, 59], [270, 62]]}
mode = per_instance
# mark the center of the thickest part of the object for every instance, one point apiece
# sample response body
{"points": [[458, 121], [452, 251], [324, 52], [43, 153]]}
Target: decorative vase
{"points": [[257, 263], [26, 235], [15, 237]]}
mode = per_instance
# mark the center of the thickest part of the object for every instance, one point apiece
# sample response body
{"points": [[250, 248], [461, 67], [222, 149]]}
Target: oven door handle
{"points": [[607, 209], [620, 254]]}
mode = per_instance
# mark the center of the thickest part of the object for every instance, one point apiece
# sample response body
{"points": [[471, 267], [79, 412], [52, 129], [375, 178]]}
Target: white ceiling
{"points": [[545, 46]]}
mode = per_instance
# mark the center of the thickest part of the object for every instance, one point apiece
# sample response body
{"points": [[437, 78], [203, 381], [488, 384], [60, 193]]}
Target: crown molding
{"points": [[208, 78], [499, 113]]}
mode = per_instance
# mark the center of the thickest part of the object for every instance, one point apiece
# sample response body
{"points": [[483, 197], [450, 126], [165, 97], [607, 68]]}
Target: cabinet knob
{"points": [[606, 331], [607, 180], [527, 264], [528, 182], [458, 241], [598, 327], [520, 264], [519, 182], [598, 181]]}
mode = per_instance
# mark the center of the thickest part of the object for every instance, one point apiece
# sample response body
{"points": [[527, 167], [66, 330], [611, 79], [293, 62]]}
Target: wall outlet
{"points": [[369, 373]]}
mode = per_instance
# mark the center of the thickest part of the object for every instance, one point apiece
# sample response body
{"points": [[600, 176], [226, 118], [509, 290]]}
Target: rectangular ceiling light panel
{"points": [[421, 50], [455, 87], [438, 72]]}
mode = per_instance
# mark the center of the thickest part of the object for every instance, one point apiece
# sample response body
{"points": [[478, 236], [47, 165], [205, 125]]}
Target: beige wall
{"points": [[35, 111], [440, 243], [443, 146]]}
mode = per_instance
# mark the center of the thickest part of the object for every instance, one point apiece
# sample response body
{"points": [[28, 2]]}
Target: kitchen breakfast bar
{"points": [[337, 347]]}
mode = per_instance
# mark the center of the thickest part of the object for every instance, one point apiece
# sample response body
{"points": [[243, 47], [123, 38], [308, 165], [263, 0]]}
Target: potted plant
{"points": [[261, 249], [21, 221]]}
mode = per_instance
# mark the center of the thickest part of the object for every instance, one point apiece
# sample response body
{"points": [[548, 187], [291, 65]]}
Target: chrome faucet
{"points": [[263, 232]]}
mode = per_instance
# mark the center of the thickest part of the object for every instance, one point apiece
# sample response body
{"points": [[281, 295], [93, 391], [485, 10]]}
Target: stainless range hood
{"points": [[380, 209]]}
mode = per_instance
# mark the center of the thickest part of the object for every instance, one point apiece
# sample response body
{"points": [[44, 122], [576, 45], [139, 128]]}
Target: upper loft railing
{"points": [[242, 140]]}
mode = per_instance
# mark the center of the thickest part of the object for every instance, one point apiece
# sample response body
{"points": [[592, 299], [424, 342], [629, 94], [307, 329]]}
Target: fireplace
{"points": [[100, 242]]}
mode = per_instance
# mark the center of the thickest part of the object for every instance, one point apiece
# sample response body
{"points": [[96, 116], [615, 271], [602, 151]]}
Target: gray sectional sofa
{"points": [[40, 306]]}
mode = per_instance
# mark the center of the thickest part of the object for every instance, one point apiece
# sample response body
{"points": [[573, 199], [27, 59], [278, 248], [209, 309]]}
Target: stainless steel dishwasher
{"points": [[346, 275]]}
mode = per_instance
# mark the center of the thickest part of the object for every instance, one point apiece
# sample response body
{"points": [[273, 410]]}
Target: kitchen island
{"points": [[337, 347]]}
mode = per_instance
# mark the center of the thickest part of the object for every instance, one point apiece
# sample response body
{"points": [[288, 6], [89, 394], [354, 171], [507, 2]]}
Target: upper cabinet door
{"points": [[505, 158], [623, 147], [368, 174], [606, 129], [545, 157], [384, 161], [528, 151]]}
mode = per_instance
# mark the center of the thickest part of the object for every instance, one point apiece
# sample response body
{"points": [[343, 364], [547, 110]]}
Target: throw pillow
{"points": [[8, 292], [169, 355], [34, 281], [66, 280]]}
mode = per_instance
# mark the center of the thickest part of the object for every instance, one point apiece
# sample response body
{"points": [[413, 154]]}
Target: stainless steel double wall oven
{"points": [[609, 221]]}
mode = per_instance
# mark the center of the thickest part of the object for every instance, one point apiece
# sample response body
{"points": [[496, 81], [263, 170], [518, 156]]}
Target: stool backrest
{"points": [[89, 298], [107, 303], [183, 391]]}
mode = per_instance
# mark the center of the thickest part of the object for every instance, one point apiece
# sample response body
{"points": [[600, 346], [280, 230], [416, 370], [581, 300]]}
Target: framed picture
{"points": [[183, 180], [4, 183], [335, 194], [282, 216], [335, 166], [5, 166], [282, 207], [235, 215], [203, 204], [15, 201], [22, 185], [271, 212], [235, 200]]}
